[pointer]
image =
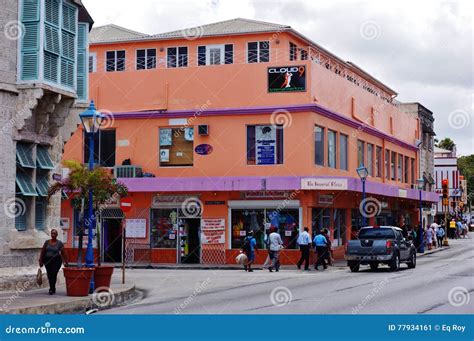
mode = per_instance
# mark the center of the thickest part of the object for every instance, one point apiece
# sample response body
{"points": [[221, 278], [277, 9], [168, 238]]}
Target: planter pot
{"points": [[102, 277], [78, 281]]}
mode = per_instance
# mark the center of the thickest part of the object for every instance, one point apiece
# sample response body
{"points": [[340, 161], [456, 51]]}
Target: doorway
{"points": [[112, 240], [191, 241]]}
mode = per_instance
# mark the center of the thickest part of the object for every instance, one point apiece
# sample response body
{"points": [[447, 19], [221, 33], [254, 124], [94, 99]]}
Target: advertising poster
{"points": [[164, 155], [213, 231], [165, 137], [265, 145], [286, 78]]}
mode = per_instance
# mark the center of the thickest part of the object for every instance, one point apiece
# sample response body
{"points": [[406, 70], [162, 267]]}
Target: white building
{"points": [[446, 167]]}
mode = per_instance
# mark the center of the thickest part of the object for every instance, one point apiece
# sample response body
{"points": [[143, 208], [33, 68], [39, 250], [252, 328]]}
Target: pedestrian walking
{"points": [[328, 252], [440, 236], [304, 241], [429, 238], [52, 256], [452, 229], [268, 261], [249, 246], [320, 243], [275, 247]]}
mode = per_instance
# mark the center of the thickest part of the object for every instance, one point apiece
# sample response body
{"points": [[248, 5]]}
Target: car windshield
{"points": [[376, 233]]}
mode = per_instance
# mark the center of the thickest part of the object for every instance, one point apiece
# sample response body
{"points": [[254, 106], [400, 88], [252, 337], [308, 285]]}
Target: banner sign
{"points": [[135, 228], [286, 78], [265, 145], [213, 231], [331, 184]]}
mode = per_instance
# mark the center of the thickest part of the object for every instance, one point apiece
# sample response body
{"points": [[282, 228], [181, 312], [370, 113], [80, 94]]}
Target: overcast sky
{"points": [[421, 49]]}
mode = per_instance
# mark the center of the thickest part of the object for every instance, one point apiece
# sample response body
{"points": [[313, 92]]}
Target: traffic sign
{"points": [[126, 204]]}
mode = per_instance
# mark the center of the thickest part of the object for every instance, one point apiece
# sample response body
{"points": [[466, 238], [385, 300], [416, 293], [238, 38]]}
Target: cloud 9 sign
{"points": [[286, 78]]}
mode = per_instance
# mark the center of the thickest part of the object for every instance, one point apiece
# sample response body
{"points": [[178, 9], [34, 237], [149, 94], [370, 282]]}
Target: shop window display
{"points": [[163, 233]]}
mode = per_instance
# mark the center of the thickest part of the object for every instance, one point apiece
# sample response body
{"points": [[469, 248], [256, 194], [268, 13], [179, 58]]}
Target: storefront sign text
{"points": [[324, 184], [213, 231], [266, 194]]}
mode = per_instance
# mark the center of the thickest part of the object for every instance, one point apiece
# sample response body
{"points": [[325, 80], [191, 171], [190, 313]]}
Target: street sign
{"points": [[126, 204]]}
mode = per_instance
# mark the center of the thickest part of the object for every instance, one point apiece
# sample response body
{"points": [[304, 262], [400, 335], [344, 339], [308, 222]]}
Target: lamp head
{"points": [[91, 119]]}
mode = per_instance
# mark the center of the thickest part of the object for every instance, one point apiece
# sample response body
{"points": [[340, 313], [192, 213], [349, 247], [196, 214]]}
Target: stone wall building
{"points": [[426, 168], [43, 88]]}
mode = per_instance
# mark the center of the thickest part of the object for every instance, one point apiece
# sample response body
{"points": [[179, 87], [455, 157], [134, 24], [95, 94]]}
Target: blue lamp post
{"points": [[363, 173], [421, 183], [91, 120]]}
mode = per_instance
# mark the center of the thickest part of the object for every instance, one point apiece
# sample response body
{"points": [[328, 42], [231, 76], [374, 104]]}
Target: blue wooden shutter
{"points": [[29, 62], [40, 214], [51, 67], [82, 73], [69, 18]]}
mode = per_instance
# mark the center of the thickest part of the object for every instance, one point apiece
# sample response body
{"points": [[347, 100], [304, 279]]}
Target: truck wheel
{"points": [[395, 263], [374, 266], [354, 266], [412, 262]]}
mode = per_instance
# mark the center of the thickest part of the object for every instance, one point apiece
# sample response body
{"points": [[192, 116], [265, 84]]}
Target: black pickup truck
{"points": [[381, 245]]}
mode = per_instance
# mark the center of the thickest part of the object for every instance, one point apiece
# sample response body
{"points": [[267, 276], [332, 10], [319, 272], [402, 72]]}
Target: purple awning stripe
{"points": [[316, 108], [255, 183]]}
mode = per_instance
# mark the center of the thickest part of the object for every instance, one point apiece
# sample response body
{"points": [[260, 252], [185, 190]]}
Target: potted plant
{"points": [[105, 189]]}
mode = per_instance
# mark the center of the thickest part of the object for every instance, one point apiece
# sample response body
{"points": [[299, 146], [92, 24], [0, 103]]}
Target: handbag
{"points": [[39, 277]]}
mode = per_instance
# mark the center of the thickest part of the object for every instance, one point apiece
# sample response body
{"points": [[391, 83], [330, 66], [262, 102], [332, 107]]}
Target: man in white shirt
{"points": [[274, 250], [304, 241]]}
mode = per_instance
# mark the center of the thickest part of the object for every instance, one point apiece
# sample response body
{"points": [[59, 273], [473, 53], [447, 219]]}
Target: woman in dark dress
{"points": [[52, 256]]}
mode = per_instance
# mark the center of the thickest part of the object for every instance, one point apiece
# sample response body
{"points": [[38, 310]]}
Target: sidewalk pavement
{"points": [[40, 302]]}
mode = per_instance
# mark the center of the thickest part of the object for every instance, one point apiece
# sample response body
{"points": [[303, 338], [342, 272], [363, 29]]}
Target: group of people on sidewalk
{"points": [[274, 244]]}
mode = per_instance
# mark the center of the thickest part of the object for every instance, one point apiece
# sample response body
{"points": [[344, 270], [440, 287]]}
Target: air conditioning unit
{"points": [[203, 129]]}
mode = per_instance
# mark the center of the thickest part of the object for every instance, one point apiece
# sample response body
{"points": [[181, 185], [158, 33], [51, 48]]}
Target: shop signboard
{"points": [[135, 228], [158, 199], [286, 78], [213, 231], [326, 199], [266, 194], [330, 184], [265, 145]]}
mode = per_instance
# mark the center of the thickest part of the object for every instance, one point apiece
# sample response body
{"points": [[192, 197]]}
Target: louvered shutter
{"points": [[29, 60], [69, 18], [50, 66], [67, 72], [40, 214], [82, 74]]}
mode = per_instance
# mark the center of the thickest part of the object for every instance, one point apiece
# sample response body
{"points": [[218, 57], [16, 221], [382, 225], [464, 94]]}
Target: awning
{"points": [[112, 213], [24, 156], [43, 160], [25, 184]]}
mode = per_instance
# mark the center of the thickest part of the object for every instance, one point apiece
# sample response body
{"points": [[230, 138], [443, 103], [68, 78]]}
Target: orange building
{"points": [[239, 126]]}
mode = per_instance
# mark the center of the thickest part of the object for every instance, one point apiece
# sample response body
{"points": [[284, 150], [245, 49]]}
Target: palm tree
{"points": [[446, 143]]}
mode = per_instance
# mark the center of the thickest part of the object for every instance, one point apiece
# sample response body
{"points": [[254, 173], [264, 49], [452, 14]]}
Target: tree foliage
{"points": [[466, 168], [446, 143]]}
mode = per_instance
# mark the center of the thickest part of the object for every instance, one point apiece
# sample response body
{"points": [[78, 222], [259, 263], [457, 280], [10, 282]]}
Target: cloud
{"points": [[422, 49]]}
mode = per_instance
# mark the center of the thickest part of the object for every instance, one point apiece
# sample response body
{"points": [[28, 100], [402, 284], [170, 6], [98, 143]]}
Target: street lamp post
{"points": [[91, 120], [421, 248], [363, 173]]}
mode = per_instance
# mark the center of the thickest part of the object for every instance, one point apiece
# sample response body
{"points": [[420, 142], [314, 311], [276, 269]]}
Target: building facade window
{"points": [[146, 59], [304, 54], [115, 61], [393, 162], [104, 148], [176, 146], [400, 168], [378, 162], [370, 159], [293, 52], [319, 145], [343, 155], [177, 57], [407, 166], [92, 62], [412, 166], [332, 148], [264, 145], [286, 222], [387, 164], [215, 54], [258, 52], [360, 153], [163, 235]]}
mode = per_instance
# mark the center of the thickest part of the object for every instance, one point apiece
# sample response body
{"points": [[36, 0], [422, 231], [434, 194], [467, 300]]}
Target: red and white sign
{"points": [[213, 231], [126, 204], [330, 184]]}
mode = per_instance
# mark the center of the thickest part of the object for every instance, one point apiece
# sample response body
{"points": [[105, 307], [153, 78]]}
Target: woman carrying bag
{"points": [[52, 256]]}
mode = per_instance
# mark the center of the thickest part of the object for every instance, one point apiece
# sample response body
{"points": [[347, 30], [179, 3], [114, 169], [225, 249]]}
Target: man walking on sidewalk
{"points": [[304, 241], [321, 244], [275, 246]]}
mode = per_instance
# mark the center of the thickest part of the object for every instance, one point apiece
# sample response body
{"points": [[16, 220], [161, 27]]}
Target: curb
{"points": [[79, 304], [433, 251]]}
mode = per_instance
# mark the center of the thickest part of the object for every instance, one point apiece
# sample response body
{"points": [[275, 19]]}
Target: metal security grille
{"points": [[213, 254]]}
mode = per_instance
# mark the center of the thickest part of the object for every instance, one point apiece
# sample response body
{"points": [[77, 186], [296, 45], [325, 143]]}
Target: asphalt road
{"points": [[442, 283]]}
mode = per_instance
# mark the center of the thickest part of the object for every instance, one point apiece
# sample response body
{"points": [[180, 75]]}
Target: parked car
{"points": [[381, 245]]}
